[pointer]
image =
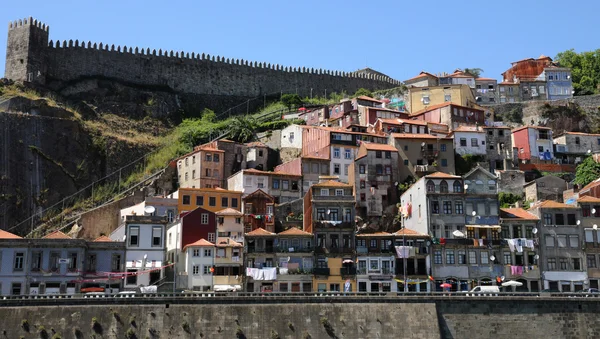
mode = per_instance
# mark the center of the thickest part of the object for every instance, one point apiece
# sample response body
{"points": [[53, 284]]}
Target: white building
{"points": [[153, 206], [291, 137], [199, 259], [230, 225], [144, 249], [470, 140], [341, 159], [284, 187]]}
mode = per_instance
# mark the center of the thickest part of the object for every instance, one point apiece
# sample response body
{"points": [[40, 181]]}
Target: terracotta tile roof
{"points": [[227, 242], [260, 232], [219, 189], [430, 108], [376, 234], [331, 183], [255, 171], [200, 242], [415, 136], [582, 134], [103, 238], [57, 235], [552, 204], [229, 211], [344, 131], [534, 127], [485, 79], [364, 97], [256, 144], [259, 192], [442, 175], [491, 127], [379, 147], [590, 185], [437, 126], [508, 83], [465, 128], [421, 75], [294, 231], [406, 232], [8, 235], [460, 75], [401, 121], [517, 213], [587, 198]]}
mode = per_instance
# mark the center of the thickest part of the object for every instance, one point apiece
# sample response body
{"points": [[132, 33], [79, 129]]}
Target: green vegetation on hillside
{"points": [[587, 171], [585, 70]]}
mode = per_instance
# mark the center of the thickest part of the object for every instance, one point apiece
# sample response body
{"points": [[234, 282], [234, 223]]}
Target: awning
{"points": [[483, 226], [153, 264], [134, 264], [566, 276]]}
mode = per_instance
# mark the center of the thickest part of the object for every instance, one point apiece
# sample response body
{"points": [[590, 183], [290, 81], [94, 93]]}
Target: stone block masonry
{"points": [[30, 57]]}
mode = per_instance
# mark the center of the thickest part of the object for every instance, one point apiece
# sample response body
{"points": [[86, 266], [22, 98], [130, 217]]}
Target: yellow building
{"points": [[228, 271], [334, 276], [211, 199], [420, 98]]}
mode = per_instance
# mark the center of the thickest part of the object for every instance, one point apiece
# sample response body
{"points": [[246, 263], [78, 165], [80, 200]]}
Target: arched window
{"points": [[457, 187], [443, 187], [430, 186]]}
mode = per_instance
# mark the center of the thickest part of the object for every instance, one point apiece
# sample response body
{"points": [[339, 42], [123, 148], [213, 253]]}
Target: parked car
{"points": [[484, 291], [590, 290]]}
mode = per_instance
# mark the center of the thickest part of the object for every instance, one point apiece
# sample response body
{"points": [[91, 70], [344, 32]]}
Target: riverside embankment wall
{"points": [[430, 317]]}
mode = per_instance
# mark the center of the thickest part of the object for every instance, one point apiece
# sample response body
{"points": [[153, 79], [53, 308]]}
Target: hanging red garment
{"points": [[442, 241]]}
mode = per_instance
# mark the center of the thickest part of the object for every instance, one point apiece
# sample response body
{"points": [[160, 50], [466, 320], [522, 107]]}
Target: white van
{"points": [[484, 291]]}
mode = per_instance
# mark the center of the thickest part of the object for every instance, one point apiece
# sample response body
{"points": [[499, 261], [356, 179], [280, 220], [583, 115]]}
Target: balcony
{"points": [[260, 250], [333, 198], [482, 220], [424, 169], [344, 271], [381, 271], [295, 249], [530, 274], [429, 153], [333, 224], [365, 250], [334, 250], [321, 271]]}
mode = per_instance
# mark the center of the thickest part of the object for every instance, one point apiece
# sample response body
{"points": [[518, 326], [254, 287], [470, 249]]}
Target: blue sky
{"points": [[399, 38]]}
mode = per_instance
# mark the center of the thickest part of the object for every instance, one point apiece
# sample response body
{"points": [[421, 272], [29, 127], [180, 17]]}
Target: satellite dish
{"points": [[502, 278], [536, 257], [578, 222], [534, 230], [328, 211], [595, 226], [473, 213], [492, 258], [289, 258], [593, 211], [428, 243], [458, 234], [124, 237], [389, 242], [466, 186], [396, 183], [423, 144], [149, 209]]}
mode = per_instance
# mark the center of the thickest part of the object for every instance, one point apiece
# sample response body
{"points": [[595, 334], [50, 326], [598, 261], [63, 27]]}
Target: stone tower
{"points": [[26, 51]]}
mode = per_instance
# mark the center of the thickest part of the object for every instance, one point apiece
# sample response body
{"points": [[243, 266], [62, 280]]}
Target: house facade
{"points": [[202, 168], [211, 199], [228, 265], [499, 151], [422, 154], [470, 140], [259, 211], [573, 147], [548, 187], [451, 114], [533, 144], [199, 259], [283, 187]]}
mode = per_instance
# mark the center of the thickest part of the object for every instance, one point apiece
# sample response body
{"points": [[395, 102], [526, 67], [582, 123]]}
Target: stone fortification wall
{"points": [[61, 63]]}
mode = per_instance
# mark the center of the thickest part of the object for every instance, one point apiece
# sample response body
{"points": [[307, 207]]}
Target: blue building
{"points": [[558, 82]]}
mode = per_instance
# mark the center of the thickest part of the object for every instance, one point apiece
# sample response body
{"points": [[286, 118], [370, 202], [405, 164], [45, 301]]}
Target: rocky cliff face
{"points": [[49, 151]]}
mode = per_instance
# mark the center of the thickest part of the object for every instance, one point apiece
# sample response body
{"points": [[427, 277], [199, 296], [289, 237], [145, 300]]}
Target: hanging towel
{"points": [[519, 270], [480, 242], [519, 245], [475, 242], [269, 273], [403, 251], [511, 244], [529, 244], [513, 270]]}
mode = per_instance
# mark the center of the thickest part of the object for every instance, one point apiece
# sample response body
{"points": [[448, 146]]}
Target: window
{"points": [[561, 240], [405, 162], [275, 184], [208, 157], [430, 186], [134, 235], [472, 257], [388, 154], [462, 257], [444, 162], [347, 215], [234, 202], [346, 166], [194, 174], [457, 187], [425, 99], [205, 269], [336, 169], [585, 211], [333, 215], [549, 240], [196, 252], [458, 207], [564, 264], [484, 258], [260, 182], [361, 169], [186, 161], [363, 197], [437, 257], [212, 201], [443, 187], [435, 207], [447, 207], [339, 192], [463, 142], [443, 147], [224, 202], [285, 185], [547, 219], [36, 260], [216, 158], [211, 237], [447, 97], [560, 219], [388, 170], [186, 200], [379, 169], [378, 154], [589, 236], [208, 172], [541, 149], [591, 261], [156, 236], [406, 147], [450, 257], [199, 200], [474, 142], [551, 264], [573, 241], [116, 262], [336, 153], [571, 219], [207, 253], [196, 270], [204, 219], [577, 141]]}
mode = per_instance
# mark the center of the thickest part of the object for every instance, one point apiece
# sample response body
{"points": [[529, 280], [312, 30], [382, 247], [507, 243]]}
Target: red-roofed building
{"points": [[283, 187], [420, 154], [374, 173], [198, 260], [386, 126], [259, 211], [451, 115], [202, 168], [423, 79], [533, 144]]}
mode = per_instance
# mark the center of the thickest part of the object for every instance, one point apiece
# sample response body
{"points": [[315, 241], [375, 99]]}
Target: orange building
{"points": [[211, 199]]}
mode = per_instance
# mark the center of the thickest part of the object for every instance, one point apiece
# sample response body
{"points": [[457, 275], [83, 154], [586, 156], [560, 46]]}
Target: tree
{"points": [[208, 115], [242, 128], [585, 70], [291, 100], [363, 91], [587, 171], [476, 72]]}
